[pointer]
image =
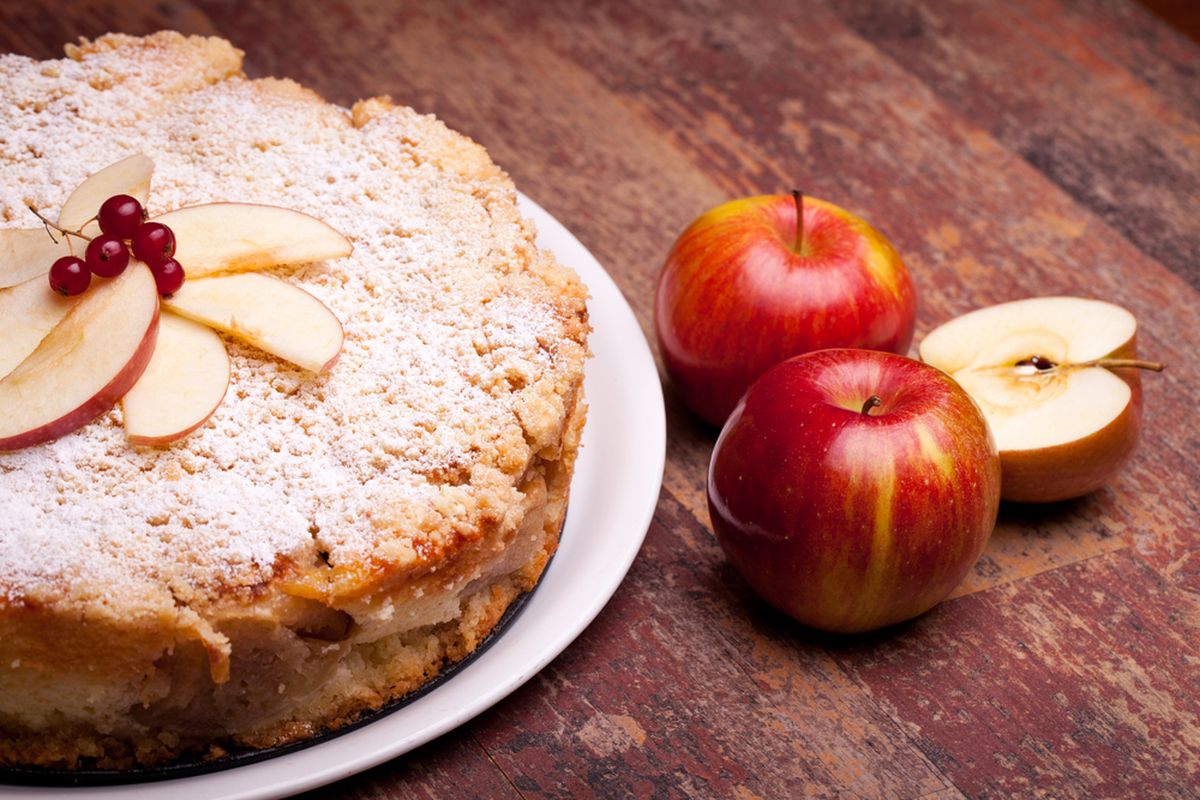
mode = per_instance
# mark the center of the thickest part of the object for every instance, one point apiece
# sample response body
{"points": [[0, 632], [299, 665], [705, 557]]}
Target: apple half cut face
{"points": [[85, 364], [241, 237], [182, 386], [1063, 425]]}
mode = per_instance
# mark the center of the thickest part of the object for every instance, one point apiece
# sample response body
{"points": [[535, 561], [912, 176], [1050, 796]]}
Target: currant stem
{"points": [[798, 197], [872, 402], [63, 231]]}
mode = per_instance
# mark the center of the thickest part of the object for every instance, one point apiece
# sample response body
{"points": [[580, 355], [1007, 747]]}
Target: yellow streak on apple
{"points": [[840, 578], [878, 565], [880, 253], [934, 454]]}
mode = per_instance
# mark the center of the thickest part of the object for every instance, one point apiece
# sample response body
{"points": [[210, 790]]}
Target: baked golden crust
{"points": [[324, 544]]}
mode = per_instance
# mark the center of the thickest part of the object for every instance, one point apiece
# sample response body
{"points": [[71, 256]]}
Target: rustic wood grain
{"points": [[1014, 149], [453, 767], [1081, 683], [980, 58]]}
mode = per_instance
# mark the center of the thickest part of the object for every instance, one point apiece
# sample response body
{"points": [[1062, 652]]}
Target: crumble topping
{"points": [[458, 343]]}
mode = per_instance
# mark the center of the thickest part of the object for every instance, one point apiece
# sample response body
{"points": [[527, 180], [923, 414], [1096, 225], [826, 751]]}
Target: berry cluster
{"points": [[123, 228]]}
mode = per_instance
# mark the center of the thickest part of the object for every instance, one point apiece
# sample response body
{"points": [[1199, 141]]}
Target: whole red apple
{"points": [[854, 489], [743, 288]]}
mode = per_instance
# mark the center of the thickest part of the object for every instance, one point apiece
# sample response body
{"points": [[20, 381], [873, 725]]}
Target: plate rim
{"points": [[641, 480]]}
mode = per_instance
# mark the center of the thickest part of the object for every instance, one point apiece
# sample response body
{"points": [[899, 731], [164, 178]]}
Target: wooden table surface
{"points": [[1007, 149]]}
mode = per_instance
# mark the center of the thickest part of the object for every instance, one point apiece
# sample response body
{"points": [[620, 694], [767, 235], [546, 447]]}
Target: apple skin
{"points": [[735, 297], [847, 521], [108, 336], [1073, 469], [97, 404]]}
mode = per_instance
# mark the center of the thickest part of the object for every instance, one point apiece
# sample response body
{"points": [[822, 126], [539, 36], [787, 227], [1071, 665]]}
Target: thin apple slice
{"points": [[181, 387], [28, 253], [83, 366], [243, 237], [129, 176], [275, 316], [28, 312]]}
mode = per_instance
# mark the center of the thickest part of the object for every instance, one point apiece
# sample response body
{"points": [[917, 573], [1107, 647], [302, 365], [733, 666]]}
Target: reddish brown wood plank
{"points": [[674, 692], [1179, 14], [1185, 572], [453, 767], [1097, 131], [1119, 32], [41, 29], [1081, 682]]}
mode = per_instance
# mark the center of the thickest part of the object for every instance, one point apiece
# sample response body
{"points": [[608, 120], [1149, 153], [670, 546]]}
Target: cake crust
{"points": [[325, 543]]}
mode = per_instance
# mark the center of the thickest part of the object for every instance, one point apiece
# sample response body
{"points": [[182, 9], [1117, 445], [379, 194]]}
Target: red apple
{"points": [[854, 489], [741, 291]]}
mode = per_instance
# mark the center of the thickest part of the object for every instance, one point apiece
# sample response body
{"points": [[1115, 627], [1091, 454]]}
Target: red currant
{"points": [[121, 215], [106, 256], [69, 276], [153, 242], [168, 275]]}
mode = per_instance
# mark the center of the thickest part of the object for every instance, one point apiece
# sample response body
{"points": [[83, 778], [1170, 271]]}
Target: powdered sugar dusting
{"points": [[447, 332]]}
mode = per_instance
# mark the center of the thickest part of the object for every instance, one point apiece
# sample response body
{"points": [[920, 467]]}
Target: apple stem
{"points": [[1044, 364], [1123, 363], [798, 197], [872, 402]]}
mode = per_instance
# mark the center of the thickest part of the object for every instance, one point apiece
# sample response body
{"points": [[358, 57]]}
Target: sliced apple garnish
{"points": [[270, 314], [28, 253], [28, 311], [243, 237], [85, 364], [182, 386], [129, 176], [1053, 377]]}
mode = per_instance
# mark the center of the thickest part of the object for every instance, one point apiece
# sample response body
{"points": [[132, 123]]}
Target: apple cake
{"points": [[325, 542]]}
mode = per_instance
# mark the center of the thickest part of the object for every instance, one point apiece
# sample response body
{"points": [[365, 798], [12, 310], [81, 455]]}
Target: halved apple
{"points": [[129, 176], [275, 316], [242, 237], [85, 364], [1053, 377], [28, 253], [182, 386]]}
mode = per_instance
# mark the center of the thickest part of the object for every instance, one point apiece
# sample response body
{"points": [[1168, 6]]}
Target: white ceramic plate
{"points": [[613, 496]]}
